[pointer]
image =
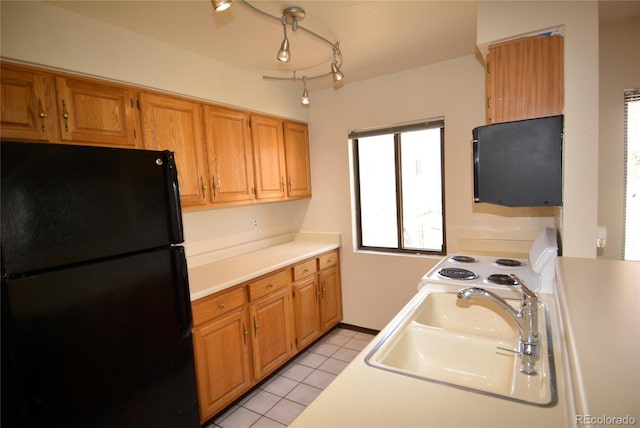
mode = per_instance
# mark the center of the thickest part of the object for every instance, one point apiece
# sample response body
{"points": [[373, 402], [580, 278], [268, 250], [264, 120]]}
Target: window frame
{"points": [[396, 131]]}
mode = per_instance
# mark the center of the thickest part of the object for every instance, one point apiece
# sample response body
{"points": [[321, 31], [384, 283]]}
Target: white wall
{"points": [[619, 70], [42, 34], [499, 20], [375, 287]]}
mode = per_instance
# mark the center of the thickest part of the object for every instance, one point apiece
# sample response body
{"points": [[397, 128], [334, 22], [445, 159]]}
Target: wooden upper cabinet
{"points": [[296, 144], [525, 79], [224, 156], [96, 113], [28, 104], [229, 154], [175, 124], [269, 158]]}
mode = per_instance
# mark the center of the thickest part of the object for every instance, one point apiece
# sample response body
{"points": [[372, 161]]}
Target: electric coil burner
{"points": [[501, 279], [509, 262], [537, 271], [457, 273], [464, 259]]}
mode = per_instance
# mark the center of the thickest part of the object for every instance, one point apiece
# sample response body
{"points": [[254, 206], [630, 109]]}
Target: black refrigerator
{"points": [[96, 315]]}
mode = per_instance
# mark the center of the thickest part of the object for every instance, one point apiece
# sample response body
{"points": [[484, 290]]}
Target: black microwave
{"points": [[519, 163]]}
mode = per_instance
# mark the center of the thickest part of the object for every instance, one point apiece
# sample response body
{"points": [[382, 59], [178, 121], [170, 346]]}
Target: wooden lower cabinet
{"points": [[306, 309], [222, 351], [222, 347], [271, 323], [330, 297], [243, 334], [317, 297]]}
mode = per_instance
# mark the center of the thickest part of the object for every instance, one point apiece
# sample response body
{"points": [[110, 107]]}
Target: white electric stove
{"points": [[537, 272]]}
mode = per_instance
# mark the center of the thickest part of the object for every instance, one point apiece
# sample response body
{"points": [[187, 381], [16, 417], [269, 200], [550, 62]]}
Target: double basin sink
{"points": [[471, 345]]}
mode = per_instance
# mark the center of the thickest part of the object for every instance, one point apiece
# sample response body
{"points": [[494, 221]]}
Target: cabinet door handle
{"points": [[203, 186], [317, 293], [282, 184], [41, 113], [65, 116], [245, 332], [270, 285], [290, 183], [221, 305], [255, 327]]}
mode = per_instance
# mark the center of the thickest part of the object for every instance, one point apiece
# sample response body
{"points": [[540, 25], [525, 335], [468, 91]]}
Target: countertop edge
{"points": [[219, 275]]}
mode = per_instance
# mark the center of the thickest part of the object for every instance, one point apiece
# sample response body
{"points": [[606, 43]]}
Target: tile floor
{"points": [[277, 402]]}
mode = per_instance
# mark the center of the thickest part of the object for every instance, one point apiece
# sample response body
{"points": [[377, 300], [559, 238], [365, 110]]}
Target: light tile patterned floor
{"points": [[278, 401]]}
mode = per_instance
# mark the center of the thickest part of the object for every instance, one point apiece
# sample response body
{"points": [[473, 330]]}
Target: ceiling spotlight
{"points": [[283, 53], [335, 70], [305, 93], [337, 74], [221, 5]]}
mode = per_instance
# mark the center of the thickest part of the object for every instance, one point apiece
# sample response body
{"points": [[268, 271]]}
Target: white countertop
{"points": [[601, 303], [365, 396], [221, 274], [597, 348]]}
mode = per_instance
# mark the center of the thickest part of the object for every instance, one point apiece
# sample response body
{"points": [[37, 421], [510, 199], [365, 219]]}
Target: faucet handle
{"points": [[527, 293], [513, 351]]}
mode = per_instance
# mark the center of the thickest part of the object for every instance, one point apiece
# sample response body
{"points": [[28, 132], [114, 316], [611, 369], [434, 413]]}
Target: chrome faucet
{"points": [[526, 319]]}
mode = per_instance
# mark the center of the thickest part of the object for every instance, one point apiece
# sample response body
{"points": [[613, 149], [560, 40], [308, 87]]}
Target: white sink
{"points": [[447, 340]]}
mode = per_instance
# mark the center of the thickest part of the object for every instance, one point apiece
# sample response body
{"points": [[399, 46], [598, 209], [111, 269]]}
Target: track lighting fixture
{"points": [[283, 53], [305, 93], [220, 5], [291, 16], [337, 74]]}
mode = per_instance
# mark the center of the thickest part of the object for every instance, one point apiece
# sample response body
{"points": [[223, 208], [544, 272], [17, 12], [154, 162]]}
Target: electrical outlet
{"points": [[254, 223]]}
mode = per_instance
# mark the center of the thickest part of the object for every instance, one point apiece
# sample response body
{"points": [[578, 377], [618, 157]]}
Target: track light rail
{"points": [[290, 16]]}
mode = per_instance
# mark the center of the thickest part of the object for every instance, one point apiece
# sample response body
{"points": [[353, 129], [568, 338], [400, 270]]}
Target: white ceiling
{"points": [[376, 37]]}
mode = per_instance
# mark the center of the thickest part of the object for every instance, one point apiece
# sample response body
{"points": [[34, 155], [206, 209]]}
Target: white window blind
{"points": [[631, 235]]}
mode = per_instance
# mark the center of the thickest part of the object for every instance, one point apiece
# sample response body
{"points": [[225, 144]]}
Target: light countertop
{"points": [[597, 348], [218, 275], [365, 396], [601, 303]]}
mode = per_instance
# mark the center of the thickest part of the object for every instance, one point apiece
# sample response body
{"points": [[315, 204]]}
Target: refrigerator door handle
{"points": [[183, 298], [175, 211]]}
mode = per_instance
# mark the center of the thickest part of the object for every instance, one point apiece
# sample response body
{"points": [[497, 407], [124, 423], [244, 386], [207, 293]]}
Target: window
{"points": [[399, 196], [631, 238]]}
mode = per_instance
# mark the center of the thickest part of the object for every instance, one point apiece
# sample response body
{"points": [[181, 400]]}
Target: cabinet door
{"points": [[171, 123], [229, 154], [296, 143], [271, 325], [306, 310], [526, 78], [268, 155], [96, 113], [28, 105], [222, 362], [331, 297]]}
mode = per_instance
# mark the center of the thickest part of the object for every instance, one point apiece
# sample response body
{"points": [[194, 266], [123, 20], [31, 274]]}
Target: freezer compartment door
{"points": [[101, 345], [64, 204]]}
